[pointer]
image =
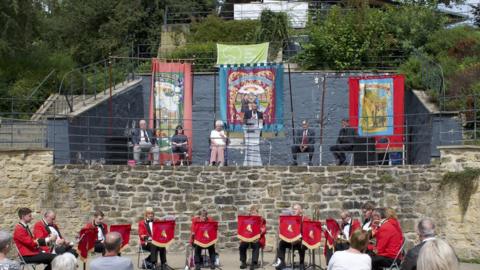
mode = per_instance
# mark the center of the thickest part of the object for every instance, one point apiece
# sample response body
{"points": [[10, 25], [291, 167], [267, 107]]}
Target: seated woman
{"points": [[352, 258], [218, 142], [180, 143]]}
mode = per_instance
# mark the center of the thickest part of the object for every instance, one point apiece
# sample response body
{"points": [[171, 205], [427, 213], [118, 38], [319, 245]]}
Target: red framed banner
{"points": [[249, 228], [311, 234], [205, 233], [290, 228], [124, 230], [377, 109], [163, 233], [170, 105], [86, 242]]}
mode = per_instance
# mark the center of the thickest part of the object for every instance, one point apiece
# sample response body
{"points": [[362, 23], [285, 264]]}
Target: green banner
{"points": [[242, 54]]}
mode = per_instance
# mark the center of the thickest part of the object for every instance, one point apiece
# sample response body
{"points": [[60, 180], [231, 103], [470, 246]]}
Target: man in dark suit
{"points": [[304, 141], [144, 141], [253, 114], [426, 232], [344, 142]]}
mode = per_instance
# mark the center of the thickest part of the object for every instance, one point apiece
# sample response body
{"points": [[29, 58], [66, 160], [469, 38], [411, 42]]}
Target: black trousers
{"points": [[99, 247], [62, 249], [154, 251], [379, 262], [198, 254], [41, 258], [282, 247], [180, 150], [296, 150], [338, 152], [255, 251]]}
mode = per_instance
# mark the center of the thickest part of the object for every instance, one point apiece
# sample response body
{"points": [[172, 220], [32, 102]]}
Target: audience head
{"points": [[304, 124], [158, 133], [179, 130], [5, 242], [367, 209], [426, 228], [98, 216], [297, 209], [65, 261], [345, 216], [359, 240], [113, 242], [219, 125], [436, 254], [49, 216], [142, 124], [25, 214], [345, 122], [149, 214]]}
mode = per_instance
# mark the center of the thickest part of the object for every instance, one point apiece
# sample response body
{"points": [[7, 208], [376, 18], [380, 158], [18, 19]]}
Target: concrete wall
{"points": [[75, 191]]}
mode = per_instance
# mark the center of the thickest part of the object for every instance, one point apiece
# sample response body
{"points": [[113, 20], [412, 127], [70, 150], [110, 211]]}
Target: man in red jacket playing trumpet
{"points": [[389, 236], [45, 227], [28, 246]]}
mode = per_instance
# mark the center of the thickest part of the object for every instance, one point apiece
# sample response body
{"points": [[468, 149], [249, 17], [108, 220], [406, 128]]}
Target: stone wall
{"points": [[75, 191]]}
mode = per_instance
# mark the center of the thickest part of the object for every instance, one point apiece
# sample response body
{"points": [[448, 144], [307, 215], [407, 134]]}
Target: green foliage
{"points": [[203, 53], [215, 29], [466, 183], [274, 29]]}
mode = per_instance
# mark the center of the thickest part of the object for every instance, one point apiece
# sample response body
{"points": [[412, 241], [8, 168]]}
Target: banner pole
{"points": [[324, 87], [291, 102], [214, 98]]}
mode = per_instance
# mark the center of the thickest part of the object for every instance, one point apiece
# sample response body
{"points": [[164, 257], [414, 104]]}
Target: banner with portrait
{"points": [[377, 109], [170, 103], [241, 85]]}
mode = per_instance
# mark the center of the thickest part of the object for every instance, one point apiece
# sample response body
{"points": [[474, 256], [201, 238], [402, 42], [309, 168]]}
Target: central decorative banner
{"points": [[170, 103], [260, 84], [242, 54]]}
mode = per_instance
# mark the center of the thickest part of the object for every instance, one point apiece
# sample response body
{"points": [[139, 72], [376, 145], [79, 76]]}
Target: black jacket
{"points": [[136, 136], [248, 115], [299, 135], [410, 260]]}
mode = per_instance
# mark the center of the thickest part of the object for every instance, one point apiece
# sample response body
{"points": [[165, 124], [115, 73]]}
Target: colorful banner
{"points": [[163, 233], [242, 54], [331, 233], [86, 242], [249, 228], [124, 231], [171, 103], [311, 234], [290, 228], [377, 109], [260, 84], [205, 233]]}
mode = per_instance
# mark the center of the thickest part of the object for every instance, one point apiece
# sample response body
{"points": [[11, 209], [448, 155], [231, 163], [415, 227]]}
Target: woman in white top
{"points": [[218, 141], [352, 258]]}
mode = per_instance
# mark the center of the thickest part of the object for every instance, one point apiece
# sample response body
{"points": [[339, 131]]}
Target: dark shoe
{"points": [[212, 266], [310, 163], [197, 267], [301, 266], [294, 163], [253, 266], [243, 265]]}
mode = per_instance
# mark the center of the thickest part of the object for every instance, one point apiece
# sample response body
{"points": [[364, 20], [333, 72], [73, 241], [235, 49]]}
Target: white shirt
{"points": [[100, 236], [366, 226], [54, 231], [150, 224], [346, 260], [346, 230], [143, 135], [216, 138]]}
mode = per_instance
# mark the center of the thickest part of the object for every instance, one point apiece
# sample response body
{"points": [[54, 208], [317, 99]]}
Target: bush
{"points": [[205, 55], [215, 29]]}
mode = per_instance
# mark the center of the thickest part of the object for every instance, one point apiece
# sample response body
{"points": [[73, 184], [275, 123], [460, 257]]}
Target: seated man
{"points": [[202, 216], [101, 229], [426, 232], [180, 143], [344, 142], [260, 243], [5, 246], [304, 141], [43, 228], [282, 245], [143, 141], [28, 246], [347, 228], [145, 233], [111, 260]]}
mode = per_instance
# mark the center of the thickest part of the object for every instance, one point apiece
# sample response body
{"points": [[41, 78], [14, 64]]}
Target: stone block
{"points": [[223, 200]]}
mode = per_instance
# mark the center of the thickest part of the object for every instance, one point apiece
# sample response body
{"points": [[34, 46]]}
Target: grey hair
{"points": [[426, 228], [219, 123], [113, 241], [142, 121], [49, 211], [66, 261], [437, 254], [5, 239]]}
